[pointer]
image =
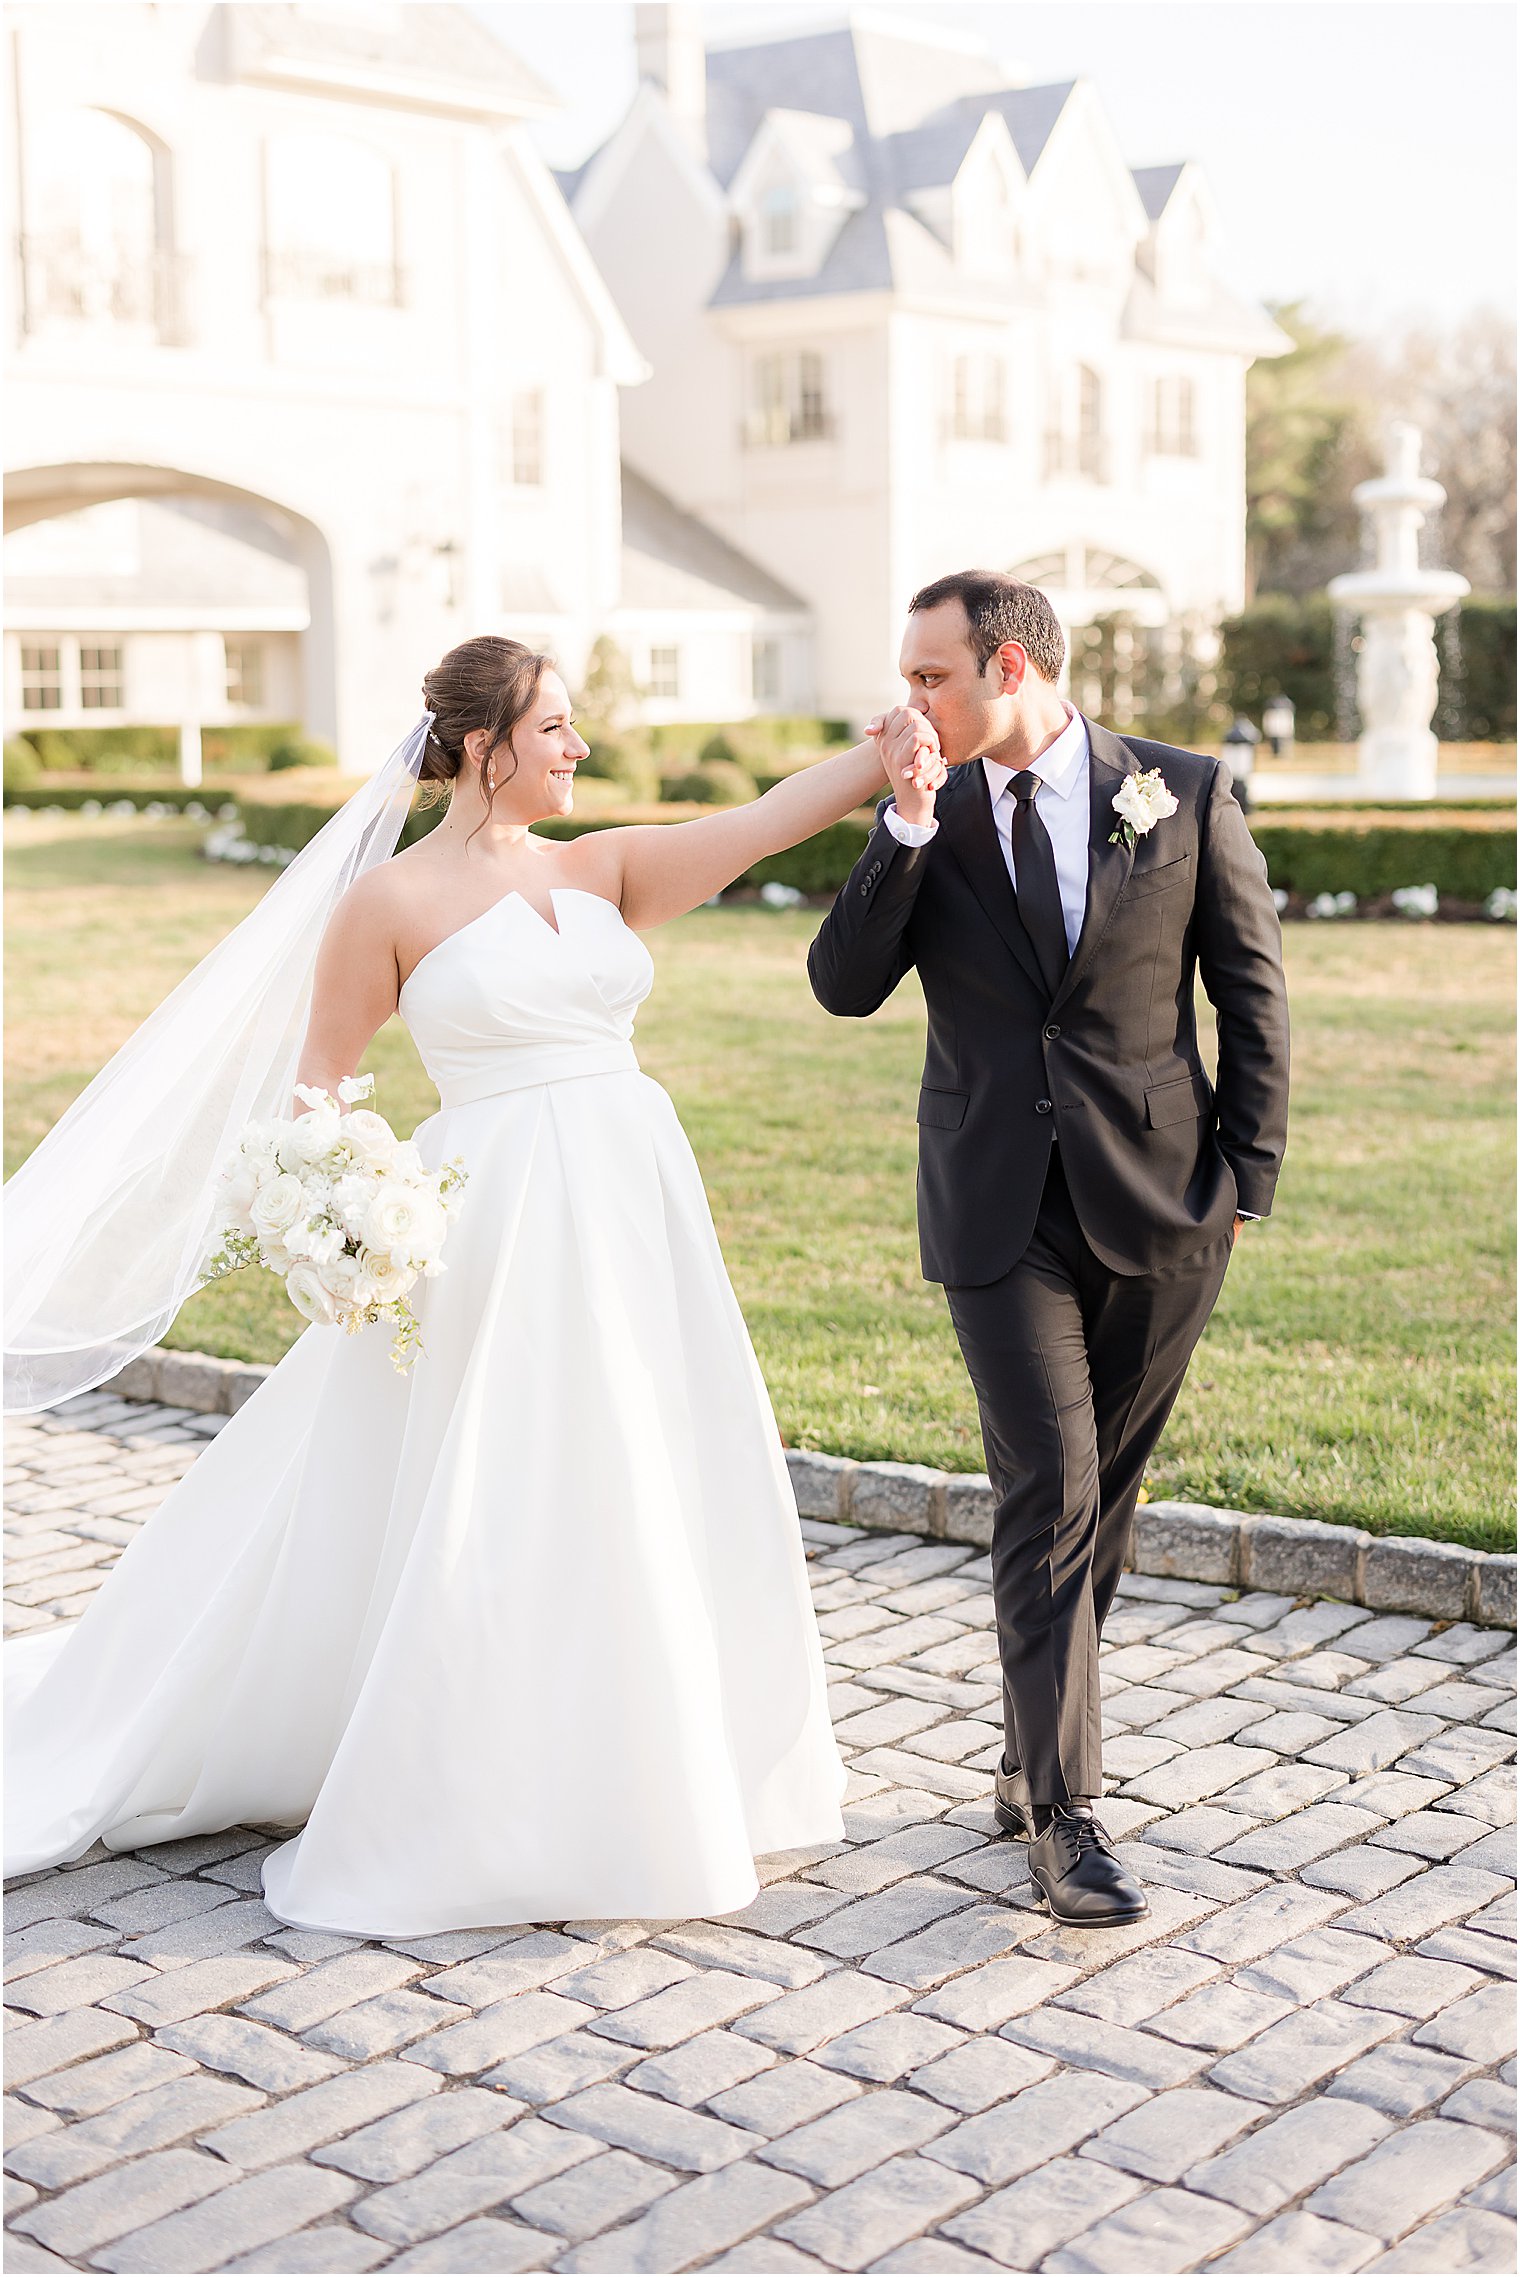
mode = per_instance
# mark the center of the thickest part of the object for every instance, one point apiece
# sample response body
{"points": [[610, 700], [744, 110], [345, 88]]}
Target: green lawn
{"points": [[1358, 1368]]}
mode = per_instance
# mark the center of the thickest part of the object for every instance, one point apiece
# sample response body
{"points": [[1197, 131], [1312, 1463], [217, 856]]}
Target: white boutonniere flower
{"points": [[1140, 802]]}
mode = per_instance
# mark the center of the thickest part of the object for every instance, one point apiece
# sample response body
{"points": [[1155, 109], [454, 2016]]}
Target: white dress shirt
{"points": [[1062, 804]]}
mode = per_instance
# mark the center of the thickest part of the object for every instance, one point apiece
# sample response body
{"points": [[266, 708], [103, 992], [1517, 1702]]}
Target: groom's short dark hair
{"points": [[999, 608]]}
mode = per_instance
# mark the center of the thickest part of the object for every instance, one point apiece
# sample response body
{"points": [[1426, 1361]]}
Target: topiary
{"points": [[719, 782], [22, 765], [716, 748], [623, 759], [301, 751]]}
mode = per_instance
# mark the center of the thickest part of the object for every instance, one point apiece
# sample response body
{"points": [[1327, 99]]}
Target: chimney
{"points": [[668, 47]]}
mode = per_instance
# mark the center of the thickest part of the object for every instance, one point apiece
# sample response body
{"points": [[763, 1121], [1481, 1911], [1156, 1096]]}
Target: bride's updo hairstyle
{"points": [[490, 683]]}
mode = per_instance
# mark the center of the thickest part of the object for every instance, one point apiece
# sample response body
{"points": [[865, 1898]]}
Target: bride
{"points": [[524, 1635]]}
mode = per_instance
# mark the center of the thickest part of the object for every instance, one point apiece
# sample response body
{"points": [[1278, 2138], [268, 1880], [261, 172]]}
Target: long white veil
{"points": [[109, 1222]]}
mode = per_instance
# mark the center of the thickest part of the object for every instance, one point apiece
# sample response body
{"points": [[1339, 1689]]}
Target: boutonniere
{"points": [[1140, 802]]}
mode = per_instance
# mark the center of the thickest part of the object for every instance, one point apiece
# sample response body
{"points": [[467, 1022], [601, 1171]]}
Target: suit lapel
{"points": [[967, 827], [1108, 866]]}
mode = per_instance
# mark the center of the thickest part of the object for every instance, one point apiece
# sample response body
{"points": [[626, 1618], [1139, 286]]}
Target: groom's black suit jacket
{"points": [[1156, 1160]]}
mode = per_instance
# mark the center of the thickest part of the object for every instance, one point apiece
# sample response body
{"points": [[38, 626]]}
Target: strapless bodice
{"points": [[506, 1001]]}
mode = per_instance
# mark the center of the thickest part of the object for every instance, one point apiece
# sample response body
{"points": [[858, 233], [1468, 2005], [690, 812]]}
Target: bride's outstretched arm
{"points": [[670, 867]]}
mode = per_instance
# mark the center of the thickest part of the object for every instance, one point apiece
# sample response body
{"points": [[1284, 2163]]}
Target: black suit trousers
{"points": [[1076, 1369]]}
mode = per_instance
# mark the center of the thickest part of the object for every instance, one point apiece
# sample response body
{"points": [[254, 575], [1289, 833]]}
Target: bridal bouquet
{"points": [[345, 1212]]}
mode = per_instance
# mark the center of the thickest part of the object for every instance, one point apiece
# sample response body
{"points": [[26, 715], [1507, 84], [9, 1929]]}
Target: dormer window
{"points": [[792, 192], [780, 221]]}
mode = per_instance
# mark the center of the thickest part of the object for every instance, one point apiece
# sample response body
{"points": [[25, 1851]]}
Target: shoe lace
{"points": [[1084, 1832]]}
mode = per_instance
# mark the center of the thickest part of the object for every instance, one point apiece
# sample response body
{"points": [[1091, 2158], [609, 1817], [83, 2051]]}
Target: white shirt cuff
{"points": [[908, 833]]}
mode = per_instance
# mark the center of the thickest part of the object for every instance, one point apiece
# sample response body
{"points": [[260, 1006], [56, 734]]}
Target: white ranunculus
{"points": [[404, 1221], [303, 1286], [277, 1205]]}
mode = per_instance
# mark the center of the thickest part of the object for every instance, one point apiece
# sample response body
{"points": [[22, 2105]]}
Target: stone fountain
{"points": [[1398, 603]]}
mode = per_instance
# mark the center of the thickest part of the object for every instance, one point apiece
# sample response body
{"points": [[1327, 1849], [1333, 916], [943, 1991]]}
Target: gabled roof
{"points": [[671, 560], [434, 56], [1156, 184], [1222, 320]]}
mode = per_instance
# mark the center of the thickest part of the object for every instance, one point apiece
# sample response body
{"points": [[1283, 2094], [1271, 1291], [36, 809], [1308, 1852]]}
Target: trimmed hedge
{"points": [[1286, 645], [1465, 859], [1463, 862], [242, 747], [105, 792]]}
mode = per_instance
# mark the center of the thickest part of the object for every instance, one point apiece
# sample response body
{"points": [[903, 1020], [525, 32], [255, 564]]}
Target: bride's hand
{"points": [[912, 758]]}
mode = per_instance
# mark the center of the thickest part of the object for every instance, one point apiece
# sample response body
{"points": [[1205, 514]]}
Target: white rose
{"points": [[369, 1134], [386, 1278], [303, 1286], [1144, 800], [1130, 805], [404, 1221], [277, 1205]]}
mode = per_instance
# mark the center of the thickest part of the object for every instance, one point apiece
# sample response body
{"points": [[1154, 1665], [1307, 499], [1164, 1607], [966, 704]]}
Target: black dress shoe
{"points": [[1073, 1866], [1011, 1806]]}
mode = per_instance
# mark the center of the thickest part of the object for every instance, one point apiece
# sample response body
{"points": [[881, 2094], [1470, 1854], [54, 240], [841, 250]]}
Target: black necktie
{"points": [[1035, 883]]}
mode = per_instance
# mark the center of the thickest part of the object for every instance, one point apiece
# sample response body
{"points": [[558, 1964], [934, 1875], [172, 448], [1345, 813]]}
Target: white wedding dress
{"points": [[524, 1635]]}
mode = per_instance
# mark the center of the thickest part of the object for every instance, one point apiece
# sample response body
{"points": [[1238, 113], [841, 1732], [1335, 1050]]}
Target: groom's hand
{"points": [[912, 758]]}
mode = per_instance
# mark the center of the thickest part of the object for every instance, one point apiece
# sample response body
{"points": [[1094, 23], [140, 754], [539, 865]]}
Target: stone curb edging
{"points": [[1188, 1541]]}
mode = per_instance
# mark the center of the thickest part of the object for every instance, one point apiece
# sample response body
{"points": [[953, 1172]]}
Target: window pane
{"points": [[765, 679], [528, 439], [778, 210], [100, 683], [245, 672], [665, 672], [41, 680]]}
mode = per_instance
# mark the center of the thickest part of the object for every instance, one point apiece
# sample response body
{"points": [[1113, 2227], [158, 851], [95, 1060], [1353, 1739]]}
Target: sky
{"points": [[1361, 152]]}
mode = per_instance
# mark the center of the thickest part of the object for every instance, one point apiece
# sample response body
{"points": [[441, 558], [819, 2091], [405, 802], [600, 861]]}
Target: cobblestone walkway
{"points": [[892, 2061]]}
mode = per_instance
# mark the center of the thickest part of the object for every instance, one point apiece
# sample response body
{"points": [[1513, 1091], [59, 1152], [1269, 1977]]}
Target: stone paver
{"points": [[1302, 2059]]}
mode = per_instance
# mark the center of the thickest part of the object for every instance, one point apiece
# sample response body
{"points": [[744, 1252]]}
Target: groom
{"points": [[1080, 1183]]}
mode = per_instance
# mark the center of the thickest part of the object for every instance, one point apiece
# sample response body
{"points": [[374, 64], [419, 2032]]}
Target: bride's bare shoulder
{"points": [[376, 902]]}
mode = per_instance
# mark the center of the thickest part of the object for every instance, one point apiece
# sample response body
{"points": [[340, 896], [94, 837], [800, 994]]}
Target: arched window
{"points": [[97, 216], [329, 221]]}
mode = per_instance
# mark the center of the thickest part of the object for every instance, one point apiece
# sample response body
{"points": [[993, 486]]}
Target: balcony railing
{"points": [[788, 423], [1086, 457], [303, 273], [64, 281]]}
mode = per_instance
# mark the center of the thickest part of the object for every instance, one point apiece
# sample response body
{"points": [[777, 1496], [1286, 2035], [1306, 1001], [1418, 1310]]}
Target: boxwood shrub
{"points": [[1464, 854]]}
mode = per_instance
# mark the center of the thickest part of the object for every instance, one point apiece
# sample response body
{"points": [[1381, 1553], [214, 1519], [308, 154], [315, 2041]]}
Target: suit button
{"points": [[1052, 1032], [1042, 1106], [865, 893]]}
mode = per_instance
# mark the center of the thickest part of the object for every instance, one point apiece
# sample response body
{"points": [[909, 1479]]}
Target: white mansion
{"points": [[313, 370], [903, 317]]}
